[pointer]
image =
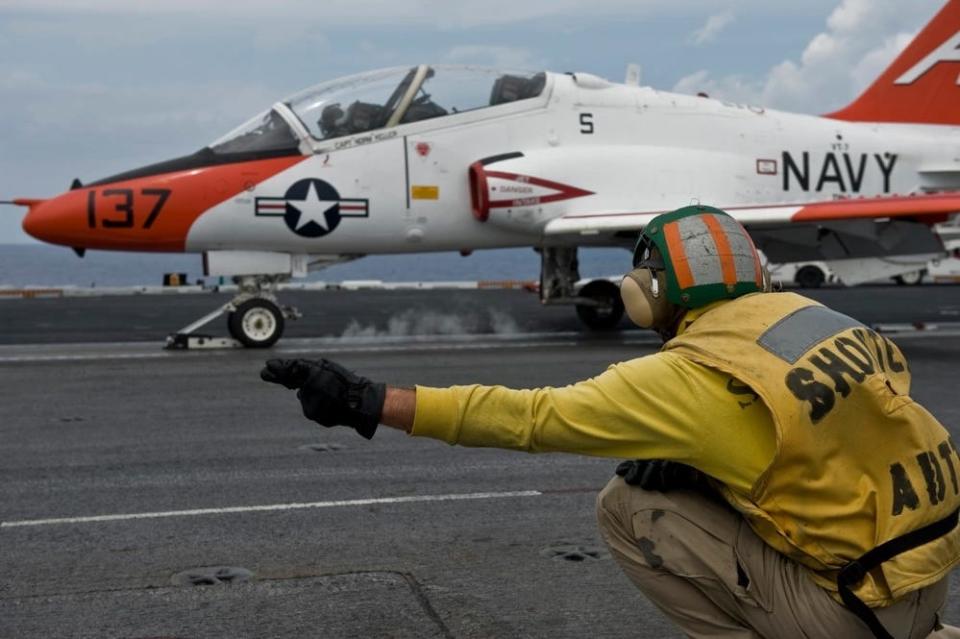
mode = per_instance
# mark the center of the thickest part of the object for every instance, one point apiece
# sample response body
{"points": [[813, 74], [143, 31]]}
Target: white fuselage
{"points": [[635, 149]]}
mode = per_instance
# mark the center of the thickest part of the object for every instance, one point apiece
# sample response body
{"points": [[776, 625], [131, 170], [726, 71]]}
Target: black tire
{"points": [[809, 276], [607, 316], [913, 278], [257, 323]]}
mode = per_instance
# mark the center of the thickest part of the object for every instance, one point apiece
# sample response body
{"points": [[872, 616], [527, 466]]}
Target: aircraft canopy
{"points": [[388, 97], [265, 134]]}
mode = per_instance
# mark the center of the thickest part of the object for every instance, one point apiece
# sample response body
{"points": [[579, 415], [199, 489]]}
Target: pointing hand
{"points": [[330, 394]]}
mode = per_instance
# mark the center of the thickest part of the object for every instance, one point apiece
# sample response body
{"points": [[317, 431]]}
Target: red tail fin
{"points": [[922, 85]]}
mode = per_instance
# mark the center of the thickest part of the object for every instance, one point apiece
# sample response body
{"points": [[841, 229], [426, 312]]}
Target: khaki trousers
{"points": [[701, 564]]}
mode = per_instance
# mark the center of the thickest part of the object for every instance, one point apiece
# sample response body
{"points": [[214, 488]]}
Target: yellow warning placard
{"points": [[424, 192]]}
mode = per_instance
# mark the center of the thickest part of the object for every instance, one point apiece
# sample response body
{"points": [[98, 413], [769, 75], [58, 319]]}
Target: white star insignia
{"points": [[313, 209]]}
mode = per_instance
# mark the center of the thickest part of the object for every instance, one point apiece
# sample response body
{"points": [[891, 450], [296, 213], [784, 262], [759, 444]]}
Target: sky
{"points": [[89, 88]]}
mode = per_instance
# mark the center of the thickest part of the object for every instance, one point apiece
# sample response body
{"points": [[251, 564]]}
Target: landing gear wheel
{"points": [[257, 323], [809, 277], [910, 279], [606, 316]]}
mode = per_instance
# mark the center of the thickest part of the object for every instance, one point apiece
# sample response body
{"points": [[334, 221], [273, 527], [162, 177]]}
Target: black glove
{"points": [[330, 394], [661, 475]]}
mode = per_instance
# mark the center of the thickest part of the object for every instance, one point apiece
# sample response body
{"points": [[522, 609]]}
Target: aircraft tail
{"points": [[922, 85]]}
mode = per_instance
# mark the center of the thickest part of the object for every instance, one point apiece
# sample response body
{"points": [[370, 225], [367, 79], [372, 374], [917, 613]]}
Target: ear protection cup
{"points": [[644, 298]]}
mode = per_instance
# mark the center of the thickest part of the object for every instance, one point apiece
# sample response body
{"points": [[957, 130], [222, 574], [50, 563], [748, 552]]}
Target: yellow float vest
{"points": [[857, 461]]}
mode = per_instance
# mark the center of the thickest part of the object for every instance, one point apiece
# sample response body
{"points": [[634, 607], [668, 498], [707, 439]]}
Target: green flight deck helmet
{"points": [[705, 256]]}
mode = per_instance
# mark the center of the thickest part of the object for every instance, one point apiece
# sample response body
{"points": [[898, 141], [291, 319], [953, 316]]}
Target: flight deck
{"points": [[151, 493]]}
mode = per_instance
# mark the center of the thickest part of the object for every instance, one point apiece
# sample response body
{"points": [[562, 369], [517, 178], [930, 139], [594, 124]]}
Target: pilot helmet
{"points": [[687, 259]]}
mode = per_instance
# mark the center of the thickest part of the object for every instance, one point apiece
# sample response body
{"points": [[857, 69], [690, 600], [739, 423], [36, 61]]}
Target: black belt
{"points": [[855, 571]]}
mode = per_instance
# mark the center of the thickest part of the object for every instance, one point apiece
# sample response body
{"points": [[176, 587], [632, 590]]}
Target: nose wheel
{"points": [[254, 319], [256, 323]]}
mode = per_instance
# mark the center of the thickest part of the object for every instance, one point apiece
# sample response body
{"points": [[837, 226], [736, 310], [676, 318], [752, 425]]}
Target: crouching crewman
{"points": [[785, 483]]}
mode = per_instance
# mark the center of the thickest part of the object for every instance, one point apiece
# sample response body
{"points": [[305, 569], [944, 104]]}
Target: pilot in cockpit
{"points": [[331, 121]]}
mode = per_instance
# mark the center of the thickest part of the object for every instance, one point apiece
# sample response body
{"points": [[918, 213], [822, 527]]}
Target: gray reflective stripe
{"points": [[701, 251], [741, 247], [796, 333]]}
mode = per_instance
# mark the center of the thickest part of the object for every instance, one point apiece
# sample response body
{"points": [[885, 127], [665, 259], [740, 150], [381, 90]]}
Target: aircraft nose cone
{"points": [[60, 220], [36, 221]]}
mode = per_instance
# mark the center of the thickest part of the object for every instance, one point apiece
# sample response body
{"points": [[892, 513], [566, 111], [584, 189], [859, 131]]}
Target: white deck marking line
{"points": [[326, 349], [412, 499], [172, 356], [11, 359]]}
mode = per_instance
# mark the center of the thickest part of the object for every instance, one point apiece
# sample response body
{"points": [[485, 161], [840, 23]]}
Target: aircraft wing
{"points": [[927, 208]]}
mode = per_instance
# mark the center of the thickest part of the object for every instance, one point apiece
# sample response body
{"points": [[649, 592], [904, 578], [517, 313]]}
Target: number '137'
{"points": [[120, 203]]}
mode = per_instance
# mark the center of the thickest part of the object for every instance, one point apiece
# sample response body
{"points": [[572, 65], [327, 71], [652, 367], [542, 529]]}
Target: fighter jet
{"points": [[442, 158]]}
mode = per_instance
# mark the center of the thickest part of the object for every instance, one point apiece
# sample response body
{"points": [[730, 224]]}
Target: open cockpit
{"points": [[379, 100]]}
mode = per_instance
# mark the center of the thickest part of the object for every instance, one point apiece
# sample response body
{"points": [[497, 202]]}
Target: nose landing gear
{"points": [[254, 318]]}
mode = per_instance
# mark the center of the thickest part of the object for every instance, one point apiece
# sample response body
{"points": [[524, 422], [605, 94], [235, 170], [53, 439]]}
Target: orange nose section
{"points": [[59, 220], [126, 216], [152, 213]]}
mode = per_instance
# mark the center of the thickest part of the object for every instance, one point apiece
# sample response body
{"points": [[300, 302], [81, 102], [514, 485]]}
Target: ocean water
{"points": [[40, 265]]}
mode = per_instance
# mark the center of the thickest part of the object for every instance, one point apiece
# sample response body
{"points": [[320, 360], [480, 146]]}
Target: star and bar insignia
{"points": [[311, 207]]}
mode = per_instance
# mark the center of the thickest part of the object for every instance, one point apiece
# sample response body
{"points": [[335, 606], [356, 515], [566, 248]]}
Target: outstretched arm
{"points": [[610, 415], [658, 407]]}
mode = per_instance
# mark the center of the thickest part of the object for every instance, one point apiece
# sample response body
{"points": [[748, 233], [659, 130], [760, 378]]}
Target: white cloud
{"points": [[696, 82], [731, 87], [876, 61], [861, 38], [853, 15], [711, 29]]}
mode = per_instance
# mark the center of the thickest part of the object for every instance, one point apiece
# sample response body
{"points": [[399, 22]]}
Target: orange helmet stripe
{"points": [[671, 232]]}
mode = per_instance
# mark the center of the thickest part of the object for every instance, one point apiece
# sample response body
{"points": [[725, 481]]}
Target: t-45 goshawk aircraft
{"points": [[440, 158]]}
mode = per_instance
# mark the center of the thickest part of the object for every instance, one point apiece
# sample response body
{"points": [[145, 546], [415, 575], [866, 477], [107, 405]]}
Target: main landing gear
{"points": [[598, 302], [254, 318]]}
